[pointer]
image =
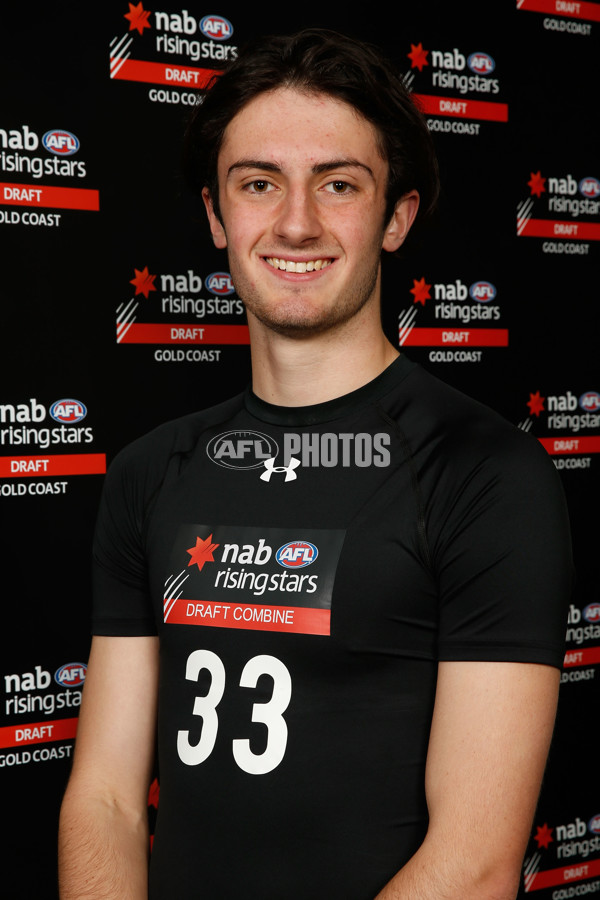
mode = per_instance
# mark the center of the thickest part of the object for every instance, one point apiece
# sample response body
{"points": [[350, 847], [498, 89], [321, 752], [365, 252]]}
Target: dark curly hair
{"points": [[317, 60]]}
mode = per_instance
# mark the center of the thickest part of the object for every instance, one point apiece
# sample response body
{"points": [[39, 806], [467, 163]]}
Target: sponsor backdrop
{"points": [[118, 313]]}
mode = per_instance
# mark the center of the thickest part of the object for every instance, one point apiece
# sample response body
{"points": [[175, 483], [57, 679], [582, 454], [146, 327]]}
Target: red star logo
{"points": [[536, 403], [143, 281], [421, 290], [202, 552], [537, 183], [418, 56], [543, 837], [138, 17], [153, 794]]}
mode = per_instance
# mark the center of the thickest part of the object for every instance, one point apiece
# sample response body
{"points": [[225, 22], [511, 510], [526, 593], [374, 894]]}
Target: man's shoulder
{"points": [[151, 452], [435, 416]]}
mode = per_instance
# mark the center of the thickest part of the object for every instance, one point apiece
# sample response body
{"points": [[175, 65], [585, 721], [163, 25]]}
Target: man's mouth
{"points": [[289, 265]]}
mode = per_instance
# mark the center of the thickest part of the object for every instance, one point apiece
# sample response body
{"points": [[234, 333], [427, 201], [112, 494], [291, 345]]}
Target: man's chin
{"points": [[298, 328], [302, 320], [301, 324]]}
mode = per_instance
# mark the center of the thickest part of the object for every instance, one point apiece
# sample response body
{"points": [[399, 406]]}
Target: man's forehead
{"points": [[289, 115]]}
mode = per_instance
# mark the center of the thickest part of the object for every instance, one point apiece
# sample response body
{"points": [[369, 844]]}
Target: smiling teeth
{"points": [[288, 265]]}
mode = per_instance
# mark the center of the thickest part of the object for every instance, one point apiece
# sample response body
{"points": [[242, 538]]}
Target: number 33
{"points": [[270, 713]]}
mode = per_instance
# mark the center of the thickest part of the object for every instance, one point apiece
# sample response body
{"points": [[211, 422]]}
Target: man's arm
{"points": [[490, 735], [103, 840]]}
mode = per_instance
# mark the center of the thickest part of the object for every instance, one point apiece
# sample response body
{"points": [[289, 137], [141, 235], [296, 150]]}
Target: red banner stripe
{"points": [[463, 109], [567, 231], [50, 197], [576, 10], [254, 617], [49, 466], [148, 333], [457, 337], [163, 73], [568, 444], [565, 875], [588, 656], [38, 732]]}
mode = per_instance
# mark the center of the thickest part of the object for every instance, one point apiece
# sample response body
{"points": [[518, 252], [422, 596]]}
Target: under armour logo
{"points": [[270, 466]]}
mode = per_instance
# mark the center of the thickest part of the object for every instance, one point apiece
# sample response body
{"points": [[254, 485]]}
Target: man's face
{"points": [[302, 199]]}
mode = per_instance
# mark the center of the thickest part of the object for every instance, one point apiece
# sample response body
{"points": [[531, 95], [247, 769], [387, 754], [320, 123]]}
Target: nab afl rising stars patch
{"points": [[263, 579]]}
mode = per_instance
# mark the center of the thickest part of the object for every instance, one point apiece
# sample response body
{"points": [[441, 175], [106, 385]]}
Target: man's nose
{"points": [[298, 219]]}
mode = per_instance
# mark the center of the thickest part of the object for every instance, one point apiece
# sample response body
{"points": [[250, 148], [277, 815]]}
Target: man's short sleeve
{"points": [[503, 555], [121, 598]]}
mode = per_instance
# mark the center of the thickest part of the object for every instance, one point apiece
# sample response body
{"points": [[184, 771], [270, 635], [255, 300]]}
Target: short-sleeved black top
{"points": [[306, 569]]}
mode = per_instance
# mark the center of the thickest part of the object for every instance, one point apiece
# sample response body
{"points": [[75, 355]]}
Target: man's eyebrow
{"points": [[317, 169], [254, 164], [341, 164]]}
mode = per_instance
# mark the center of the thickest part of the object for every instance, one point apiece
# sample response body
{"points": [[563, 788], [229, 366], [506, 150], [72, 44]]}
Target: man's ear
{"points": [[401, 221], [216, 228]]}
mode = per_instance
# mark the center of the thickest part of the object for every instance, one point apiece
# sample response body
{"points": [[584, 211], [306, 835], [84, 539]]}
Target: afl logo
{"points": [[60, 142], [68, 411], [220, 283], [589, 187], [481, 63], [590, 401], [71, 674], [216, 27], [241, 449], [482, 291], [594, 824], [296, 554], [592, 612]]}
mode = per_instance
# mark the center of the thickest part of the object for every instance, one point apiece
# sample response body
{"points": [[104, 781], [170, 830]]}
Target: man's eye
{"points": [[259, 187], [338, 187]]}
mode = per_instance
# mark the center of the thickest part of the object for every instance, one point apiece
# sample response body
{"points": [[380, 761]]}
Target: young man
{"points": [[354, 577]]}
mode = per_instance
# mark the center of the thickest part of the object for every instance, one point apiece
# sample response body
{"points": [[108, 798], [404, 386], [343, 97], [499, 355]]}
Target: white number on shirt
{"points": [[270, 713], [206, 707]]}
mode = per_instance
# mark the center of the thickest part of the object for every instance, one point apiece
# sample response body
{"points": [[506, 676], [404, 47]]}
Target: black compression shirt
{"points": [[306, 569]]}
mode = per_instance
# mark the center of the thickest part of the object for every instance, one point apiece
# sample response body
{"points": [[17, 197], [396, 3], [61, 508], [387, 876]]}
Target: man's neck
{"points": [[292, 371]]}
